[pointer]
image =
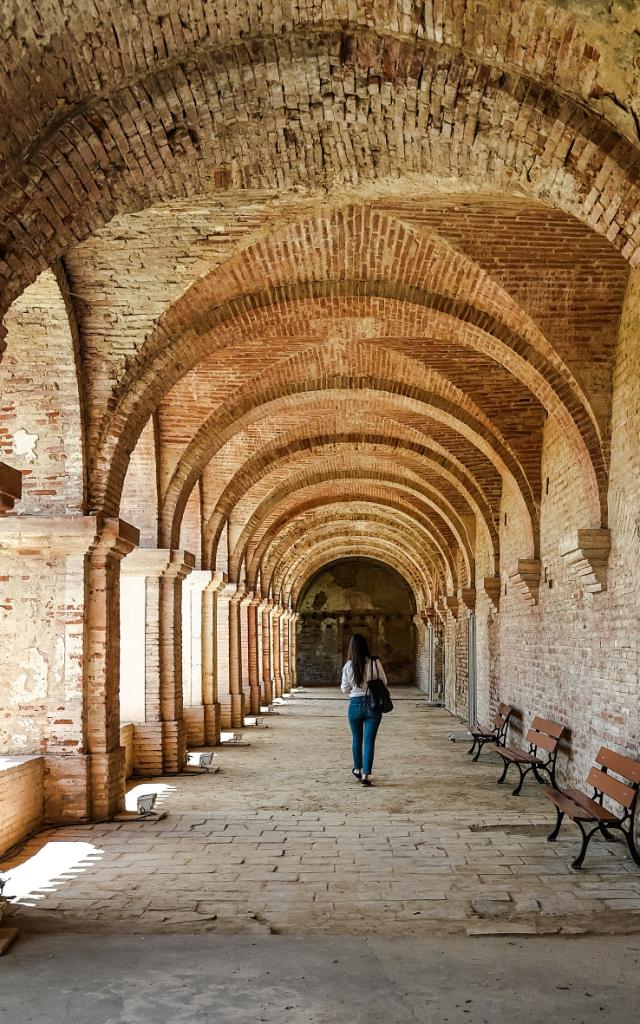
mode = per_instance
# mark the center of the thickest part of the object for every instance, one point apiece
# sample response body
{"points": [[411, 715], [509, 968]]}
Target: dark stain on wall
{"points": [[355, 595]]}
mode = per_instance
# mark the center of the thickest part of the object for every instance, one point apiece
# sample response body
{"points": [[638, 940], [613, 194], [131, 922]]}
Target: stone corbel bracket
{"points": [[10, 487], [525, 578], [452, 604], [491, 586], [587, 553], [467, 601]]}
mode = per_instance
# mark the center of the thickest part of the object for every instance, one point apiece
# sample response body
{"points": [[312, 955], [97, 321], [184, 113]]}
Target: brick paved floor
{"points": [[283, 840]]}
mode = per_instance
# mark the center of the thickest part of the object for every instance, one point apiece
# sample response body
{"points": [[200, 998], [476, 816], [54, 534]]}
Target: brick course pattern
{"points": [[287, 285]]}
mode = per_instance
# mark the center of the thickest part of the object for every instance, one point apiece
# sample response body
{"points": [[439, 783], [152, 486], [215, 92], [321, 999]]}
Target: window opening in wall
{"points": [[505, 519], [546, 486]]}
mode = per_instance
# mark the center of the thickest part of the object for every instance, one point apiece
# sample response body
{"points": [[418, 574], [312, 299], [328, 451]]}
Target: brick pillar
{"points": [[174, 740], [209, 631], [276, 650], [60, 591], [244, 647], [223, 600], [267, 675], [285, 623], [236, 693], [160, 740], [255, 697], [293, 649], [114, 540], [193, 709]]}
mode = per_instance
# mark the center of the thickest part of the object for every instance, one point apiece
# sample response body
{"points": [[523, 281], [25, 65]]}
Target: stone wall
{"points": [[21, 798], [575, 656], [355, 596]]}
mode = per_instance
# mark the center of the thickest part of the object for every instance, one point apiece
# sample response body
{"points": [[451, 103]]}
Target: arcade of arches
{"points": [[314, 317]]}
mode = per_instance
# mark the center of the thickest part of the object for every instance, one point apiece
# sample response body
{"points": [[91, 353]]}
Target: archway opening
{"points": [[355, 595]]}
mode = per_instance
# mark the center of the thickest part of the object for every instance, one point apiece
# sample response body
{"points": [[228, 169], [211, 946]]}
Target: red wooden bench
{"points": [[590, 814], [496, 734], [542, 736]]}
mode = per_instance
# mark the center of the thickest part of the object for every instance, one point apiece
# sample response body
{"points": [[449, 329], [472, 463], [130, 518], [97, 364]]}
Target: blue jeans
{"points": [[364, 725]]}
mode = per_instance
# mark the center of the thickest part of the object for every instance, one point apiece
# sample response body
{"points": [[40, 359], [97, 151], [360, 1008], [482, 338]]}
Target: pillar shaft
{"points": [[267, 676], [236, 694], [276, 651], [209, 639], [255, 697]]}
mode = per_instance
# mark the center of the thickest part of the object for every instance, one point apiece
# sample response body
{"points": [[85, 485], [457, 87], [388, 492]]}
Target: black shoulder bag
{"points": [[378, 694]]}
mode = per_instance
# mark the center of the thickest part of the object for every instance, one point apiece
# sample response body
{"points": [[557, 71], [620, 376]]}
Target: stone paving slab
{"points": [[331, 857]]}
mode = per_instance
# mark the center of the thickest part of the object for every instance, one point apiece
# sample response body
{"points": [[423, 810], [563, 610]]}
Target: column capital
{"points": [[67, 535], [156, 562], [198, 580], [217, 581], [10, 487]]}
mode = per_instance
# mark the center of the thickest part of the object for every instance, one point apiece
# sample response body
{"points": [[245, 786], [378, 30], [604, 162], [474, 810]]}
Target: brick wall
{"points": [[21, 798]]}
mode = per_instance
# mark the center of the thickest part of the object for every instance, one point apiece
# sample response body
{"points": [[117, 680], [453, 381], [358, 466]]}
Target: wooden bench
{"points": [[589, 811], [542, 736], [496, 734]]}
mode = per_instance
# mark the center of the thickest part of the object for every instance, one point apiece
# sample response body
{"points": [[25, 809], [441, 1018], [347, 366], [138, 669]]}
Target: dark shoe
{"points": [[356, 772], [365, 782]]}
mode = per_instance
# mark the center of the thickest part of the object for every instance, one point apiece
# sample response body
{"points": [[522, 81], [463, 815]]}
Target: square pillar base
{"points": [[195, 725]]}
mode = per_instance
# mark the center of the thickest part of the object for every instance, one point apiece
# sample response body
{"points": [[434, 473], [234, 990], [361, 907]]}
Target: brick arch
{"points": [[428, 275], [157, 127], [42, 416], [345, 547], [283, 559], [272, 460], [448, 529], [242, 456], [291, 495], [321, 499], [281, 548], [383, 376]]}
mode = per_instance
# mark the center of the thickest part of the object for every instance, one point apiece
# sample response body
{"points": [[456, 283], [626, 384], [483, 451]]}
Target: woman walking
{"points": [[358, 671]]}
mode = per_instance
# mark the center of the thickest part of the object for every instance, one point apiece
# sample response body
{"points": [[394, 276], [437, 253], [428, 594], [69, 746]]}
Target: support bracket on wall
{"points": [[10, 487], [491, 587], [467, 600], [525, 578], [587, 552], [452, 604]]}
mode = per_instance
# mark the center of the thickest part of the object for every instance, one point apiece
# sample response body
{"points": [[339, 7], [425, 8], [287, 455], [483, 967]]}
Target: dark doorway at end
{"points": [[355, 595]]}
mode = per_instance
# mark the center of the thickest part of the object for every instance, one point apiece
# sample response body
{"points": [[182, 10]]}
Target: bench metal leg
{"points": [[586, 839], [516, 791], [551, 838], [631, 843], [473, 746], [608, 835], [481, 744], [505, 770]]}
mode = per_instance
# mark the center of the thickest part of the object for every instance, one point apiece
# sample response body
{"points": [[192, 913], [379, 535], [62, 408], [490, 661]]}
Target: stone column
{"points": [[285, 623], [255, 697], [114, 541], [267, 675], [276, 650], [293, 649], [245, 681], [236, 694], [209, 630], [59, 586], [223, 601], [193, 710], [160, 740]]}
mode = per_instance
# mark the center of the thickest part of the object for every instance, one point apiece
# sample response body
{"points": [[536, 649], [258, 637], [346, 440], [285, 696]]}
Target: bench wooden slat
{"points": [[626, 767], [517, 754], [547, 743], [592, 808], [611, 787], [562, 802], [550, 728]]}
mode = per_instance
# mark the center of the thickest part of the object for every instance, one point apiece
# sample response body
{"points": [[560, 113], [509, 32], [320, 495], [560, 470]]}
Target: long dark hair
{"points": [[357, 654]]}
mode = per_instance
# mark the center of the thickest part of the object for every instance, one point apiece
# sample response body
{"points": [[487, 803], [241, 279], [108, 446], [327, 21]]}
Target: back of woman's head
{"points": [[357, 655]]}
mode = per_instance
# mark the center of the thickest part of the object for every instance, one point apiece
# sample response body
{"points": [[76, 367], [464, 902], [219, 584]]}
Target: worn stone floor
{"points": [[283, 841]]}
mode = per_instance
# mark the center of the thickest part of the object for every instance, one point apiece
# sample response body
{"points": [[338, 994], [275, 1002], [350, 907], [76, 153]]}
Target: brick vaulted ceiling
{"points": [[327, 268]]}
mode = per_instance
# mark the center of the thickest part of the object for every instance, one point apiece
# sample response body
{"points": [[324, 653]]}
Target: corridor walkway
{"points": [[283, 841]]}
